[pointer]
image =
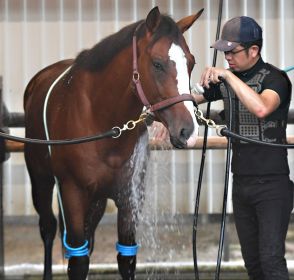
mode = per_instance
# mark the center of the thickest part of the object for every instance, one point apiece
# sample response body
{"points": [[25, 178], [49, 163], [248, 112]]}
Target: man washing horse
{"points": [[262, 189]]}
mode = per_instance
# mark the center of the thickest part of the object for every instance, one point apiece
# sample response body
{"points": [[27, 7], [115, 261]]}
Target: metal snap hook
{"points": [[119, 132], [130, 125]]}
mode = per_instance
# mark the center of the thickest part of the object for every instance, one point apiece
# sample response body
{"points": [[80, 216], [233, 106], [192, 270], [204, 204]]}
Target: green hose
{"points": [[288, 69]]}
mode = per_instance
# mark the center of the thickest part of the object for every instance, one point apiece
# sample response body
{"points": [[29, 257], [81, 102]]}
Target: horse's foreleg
{"points": [[127, 266], [126, 246], [94, 216], [129, 203], [78, 268], [75, 205]]}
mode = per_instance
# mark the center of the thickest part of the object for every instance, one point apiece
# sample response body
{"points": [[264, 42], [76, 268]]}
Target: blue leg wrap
{"points": [[75, 252], [127, 250]]}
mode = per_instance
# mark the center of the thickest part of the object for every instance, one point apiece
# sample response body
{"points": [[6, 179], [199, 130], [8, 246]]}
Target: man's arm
{"points": [[261, 105], [199, 98]]}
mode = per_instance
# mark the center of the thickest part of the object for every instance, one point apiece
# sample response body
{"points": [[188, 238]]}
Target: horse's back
{"points": [[41, 82]]}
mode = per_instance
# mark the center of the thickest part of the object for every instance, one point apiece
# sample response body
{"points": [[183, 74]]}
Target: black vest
{"points": [[253, 159], [271, 129]]}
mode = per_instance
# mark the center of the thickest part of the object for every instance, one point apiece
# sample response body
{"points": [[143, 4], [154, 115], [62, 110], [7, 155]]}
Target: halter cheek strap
{"points": [[136, 80], [127, 251]]}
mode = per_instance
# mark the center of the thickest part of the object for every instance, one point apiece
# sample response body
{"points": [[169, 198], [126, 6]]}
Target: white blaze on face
{"points": [[177, 55]]}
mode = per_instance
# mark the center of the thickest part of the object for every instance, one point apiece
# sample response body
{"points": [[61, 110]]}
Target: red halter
{"points": [[136, 79]]}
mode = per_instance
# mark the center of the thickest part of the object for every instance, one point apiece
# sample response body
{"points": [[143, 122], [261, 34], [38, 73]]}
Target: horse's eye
{"points": [[158, 66]]}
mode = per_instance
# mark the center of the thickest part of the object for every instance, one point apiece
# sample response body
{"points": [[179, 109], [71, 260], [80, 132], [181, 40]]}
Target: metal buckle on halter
{"points": [[136, 76], [149, 117]]}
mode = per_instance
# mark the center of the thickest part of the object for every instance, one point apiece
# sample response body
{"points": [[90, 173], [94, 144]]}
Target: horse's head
{"points": [[165, 65]]}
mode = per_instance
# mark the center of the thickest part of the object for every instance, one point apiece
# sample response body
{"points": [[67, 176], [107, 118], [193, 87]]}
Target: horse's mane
{"points": [[100, 55]]}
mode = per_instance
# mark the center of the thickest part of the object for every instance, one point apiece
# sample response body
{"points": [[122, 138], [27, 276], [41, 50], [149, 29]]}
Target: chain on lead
{"points": [[130, 125], [209, 122]]}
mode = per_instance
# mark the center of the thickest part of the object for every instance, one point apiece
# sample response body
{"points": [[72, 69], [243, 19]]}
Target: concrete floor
{"points": [[169, 241], [165, 245]]}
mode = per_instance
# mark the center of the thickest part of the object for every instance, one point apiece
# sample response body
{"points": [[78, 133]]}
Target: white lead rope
{"points": [[47, 138]]}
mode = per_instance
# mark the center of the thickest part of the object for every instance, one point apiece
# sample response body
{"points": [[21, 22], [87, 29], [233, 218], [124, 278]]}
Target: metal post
{"points": [[2, 159]]}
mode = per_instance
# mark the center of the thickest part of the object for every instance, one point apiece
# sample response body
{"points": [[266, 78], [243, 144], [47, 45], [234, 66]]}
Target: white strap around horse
{"points": [[48, 138]]}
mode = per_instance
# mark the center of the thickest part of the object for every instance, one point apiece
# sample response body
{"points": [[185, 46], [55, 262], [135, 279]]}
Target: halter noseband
{"points": [[136, 79]]}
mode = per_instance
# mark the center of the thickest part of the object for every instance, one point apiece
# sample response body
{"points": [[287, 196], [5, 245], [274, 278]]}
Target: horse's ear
{"points": [[153, 19], [185, 23]]}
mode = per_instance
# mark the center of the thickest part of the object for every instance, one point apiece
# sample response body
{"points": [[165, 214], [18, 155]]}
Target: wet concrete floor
{"points": [[168, 243]]}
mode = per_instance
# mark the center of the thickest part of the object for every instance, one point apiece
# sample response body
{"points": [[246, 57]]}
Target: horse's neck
{"points": [[118, 90]]}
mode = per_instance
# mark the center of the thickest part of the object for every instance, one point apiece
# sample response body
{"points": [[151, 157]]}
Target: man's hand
{"points": [[212, 75], [158, 132]]}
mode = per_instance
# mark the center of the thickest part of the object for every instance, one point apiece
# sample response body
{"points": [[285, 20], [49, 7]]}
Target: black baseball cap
{"points": [[238, 30]]}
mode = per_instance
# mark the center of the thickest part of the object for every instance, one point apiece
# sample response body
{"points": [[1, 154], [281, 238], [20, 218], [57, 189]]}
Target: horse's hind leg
{"points": [[42, 190]]}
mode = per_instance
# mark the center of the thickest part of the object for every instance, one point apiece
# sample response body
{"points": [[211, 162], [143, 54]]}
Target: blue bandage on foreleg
{"points": [[125, 250], [75, 252]]}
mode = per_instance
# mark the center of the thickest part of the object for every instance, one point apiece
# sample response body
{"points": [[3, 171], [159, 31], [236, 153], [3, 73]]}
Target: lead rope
{"points": [[70, 252]]}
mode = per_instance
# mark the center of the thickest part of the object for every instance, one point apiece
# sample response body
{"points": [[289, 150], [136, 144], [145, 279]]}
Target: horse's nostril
{"points": [[186, 133]]}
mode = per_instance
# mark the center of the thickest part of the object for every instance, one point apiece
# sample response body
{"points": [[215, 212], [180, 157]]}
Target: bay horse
{"points": [[145, 64]]}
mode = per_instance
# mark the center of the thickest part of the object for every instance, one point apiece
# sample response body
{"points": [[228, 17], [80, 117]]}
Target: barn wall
{"points": [[36, 33]]}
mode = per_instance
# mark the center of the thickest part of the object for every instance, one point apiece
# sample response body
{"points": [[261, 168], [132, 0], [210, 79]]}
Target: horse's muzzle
{"points": [[187, 138]]}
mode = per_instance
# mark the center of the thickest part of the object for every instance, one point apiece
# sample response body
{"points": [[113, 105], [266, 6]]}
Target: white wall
{"points": [[35, 33]]}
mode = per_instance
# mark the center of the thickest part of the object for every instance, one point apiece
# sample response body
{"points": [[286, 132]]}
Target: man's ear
{"points": [[254, 50]]}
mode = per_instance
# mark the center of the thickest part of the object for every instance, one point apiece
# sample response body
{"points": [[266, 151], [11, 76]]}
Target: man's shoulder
{"points": [[274, 74], [278, 81], [264, 71], [274, 69]]}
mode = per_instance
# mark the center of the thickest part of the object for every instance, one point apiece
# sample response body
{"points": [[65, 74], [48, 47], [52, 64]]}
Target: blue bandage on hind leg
{"points": [[125, 250], [75, 252]]}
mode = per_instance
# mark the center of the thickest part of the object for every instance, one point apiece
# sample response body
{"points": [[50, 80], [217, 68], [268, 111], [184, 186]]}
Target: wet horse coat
{"points": [[94, 95]]}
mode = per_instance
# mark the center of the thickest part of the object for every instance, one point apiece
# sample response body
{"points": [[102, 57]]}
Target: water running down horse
{"points": [[98, 90]]}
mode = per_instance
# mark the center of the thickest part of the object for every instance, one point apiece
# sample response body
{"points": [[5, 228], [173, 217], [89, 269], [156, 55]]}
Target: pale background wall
{"points": [[35, 33]]}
